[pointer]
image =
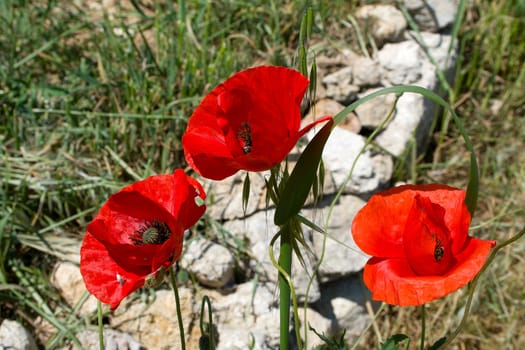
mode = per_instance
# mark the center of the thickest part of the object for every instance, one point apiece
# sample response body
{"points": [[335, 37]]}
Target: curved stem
{"points": [[209, 331], [177, 304], [285, 262], [422, 346]]}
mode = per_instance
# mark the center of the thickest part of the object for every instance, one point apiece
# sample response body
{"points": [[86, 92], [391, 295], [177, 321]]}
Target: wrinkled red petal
{"points": [[394, 282], [104, 278], [207, 154], [427, 240], [249, 122], [379, 226], [186, 207], [125, 212]]}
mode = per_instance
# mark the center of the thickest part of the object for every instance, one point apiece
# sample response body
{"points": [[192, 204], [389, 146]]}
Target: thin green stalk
{"points": [[285, 262], [100, 326], [207, 330], [472, 287], [422, 346], [177, 303]]}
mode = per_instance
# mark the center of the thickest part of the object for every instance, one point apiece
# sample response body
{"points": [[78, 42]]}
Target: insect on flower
{"points": [[245, 136], [439, 251]]}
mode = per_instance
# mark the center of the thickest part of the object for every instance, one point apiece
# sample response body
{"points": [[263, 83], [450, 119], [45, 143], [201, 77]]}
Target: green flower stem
{"points": [[285, 262], [472, 286], [177, 303], [422, 346], [100, 326]]}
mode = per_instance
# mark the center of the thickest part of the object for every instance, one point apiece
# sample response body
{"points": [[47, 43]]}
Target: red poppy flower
{"points": [[137, 235], [249, 122], [417, 237]]}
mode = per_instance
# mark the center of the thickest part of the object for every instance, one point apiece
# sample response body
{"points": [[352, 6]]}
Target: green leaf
{"points": [[245, 193], [309, 22], [303, 67], [438, 344], [392, 343], [298, 185], [312, 88]]}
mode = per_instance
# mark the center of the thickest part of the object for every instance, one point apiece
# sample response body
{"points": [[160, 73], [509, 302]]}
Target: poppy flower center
{"points": [[152, 232]]}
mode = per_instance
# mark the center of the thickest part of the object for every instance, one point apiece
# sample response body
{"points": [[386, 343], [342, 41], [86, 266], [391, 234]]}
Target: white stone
{"points": [[372, 113], [113, 340], [14, 336], [400, 62], [385, 22], [66, 278], [154, 323], [341, 255], [414, 113], [249, 316], [344, 302], [329, 107], [211, 263], [339, 86], [321, 324], [366, 71], [432, 15], [225, 197], [258, 230], [371, 171]]}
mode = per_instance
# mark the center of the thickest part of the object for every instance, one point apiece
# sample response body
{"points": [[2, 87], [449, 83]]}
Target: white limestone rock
{"points": [[258, 230], [372, 113], [339, 86], [432, 15], [371, 170], [154, 322], [384, 22], [341, 255], [113, 340], [225, 197], [66, 278], [14, 336], [210, 263]]}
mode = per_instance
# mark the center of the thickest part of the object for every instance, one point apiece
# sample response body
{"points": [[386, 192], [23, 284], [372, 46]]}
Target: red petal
{"points": [[266, 100], [427, 240], [185, 207], [394, 282], [206, 152], [379, 226], [103, 277], [124, 213]]}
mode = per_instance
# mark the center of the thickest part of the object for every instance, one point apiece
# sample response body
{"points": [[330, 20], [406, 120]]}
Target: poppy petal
{"points": [[379, 226], [187, 198], [394, 282], [249, 122], [103, 277]]}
